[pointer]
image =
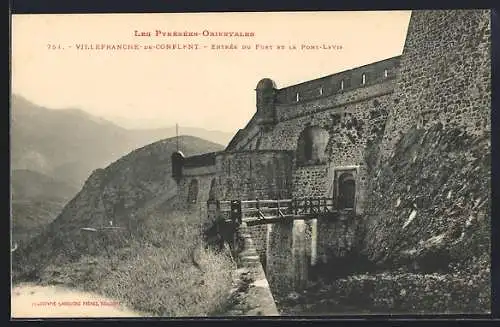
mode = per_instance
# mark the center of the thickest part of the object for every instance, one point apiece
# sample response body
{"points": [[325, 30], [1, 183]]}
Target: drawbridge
{"points": [[259, 212]]}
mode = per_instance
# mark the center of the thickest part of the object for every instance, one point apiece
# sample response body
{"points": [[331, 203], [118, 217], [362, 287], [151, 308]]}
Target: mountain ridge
{"points": [[68, 144]]}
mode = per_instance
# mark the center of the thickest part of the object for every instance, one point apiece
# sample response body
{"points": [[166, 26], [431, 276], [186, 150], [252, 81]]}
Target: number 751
{"points": [[53, 46]]}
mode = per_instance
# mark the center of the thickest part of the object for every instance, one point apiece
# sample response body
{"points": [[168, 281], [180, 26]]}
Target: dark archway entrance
{"points": [[346, 191]]}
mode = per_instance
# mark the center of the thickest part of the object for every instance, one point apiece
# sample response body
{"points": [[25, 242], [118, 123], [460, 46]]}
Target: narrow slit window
{"points": [[321, 91], [211, 192], [342, 84], [363, 77], [386, 73], [193, 191], [297, 97]]}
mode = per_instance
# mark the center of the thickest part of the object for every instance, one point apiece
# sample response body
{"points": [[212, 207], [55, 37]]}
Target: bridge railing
{"points": [[266, 211]]}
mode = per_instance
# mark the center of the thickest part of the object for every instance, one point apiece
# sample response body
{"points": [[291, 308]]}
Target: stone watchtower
{"points": [[266, 99]]}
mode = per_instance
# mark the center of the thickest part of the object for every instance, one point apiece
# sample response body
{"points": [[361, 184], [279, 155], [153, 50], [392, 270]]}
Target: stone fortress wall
{"points": [[298, 146], [268, 160]]}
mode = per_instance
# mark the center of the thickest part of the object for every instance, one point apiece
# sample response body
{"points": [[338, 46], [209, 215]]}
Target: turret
{"points": [[266, 99]]}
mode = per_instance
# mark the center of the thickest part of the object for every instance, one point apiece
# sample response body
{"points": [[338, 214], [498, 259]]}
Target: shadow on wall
{"points": [[311, 145]]}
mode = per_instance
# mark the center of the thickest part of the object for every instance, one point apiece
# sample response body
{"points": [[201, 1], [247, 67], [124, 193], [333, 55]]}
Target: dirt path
{"points": [[33, 301]]}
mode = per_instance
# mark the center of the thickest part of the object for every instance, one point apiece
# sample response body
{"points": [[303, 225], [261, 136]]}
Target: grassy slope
{"points": [[153, 271]]}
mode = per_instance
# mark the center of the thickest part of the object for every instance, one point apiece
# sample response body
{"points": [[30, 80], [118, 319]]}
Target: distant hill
{"points": [[27, 184], [37, 199], [69, 144], [150, 127], [125, 192]]}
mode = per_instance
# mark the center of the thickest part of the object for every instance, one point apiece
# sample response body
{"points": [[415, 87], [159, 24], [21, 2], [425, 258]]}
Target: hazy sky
{"points": [[213, 89]]}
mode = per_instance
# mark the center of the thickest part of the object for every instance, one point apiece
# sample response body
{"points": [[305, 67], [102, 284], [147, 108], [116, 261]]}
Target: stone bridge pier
{"points": [[286, 256], [290, 250]]}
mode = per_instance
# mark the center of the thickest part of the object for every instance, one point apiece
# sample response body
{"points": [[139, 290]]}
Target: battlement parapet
{"points": [[339, 83]]}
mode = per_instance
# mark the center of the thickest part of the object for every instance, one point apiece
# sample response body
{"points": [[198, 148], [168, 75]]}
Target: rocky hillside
{"points": [[69, 144], [124, 193], [431, 201]]}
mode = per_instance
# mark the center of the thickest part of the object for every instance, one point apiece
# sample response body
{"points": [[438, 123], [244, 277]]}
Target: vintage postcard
{"points": [[250, 164]]}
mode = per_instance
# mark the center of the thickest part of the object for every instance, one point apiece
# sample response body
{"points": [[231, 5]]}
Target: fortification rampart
{"points": [[340, 101], [338, 93], [339, 83]]}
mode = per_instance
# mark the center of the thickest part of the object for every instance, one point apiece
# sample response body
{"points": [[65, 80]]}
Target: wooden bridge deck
{"points": [[258, 212]]}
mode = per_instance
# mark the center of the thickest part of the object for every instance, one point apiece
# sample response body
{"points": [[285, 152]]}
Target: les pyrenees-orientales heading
{"points": [[162, 33]]}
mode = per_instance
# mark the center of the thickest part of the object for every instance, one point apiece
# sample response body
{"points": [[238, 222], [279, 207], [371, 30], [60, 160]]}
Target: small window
{"points": [[363, 77], [321, 91], [297, 97], [386, 73], [342, 84]]}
